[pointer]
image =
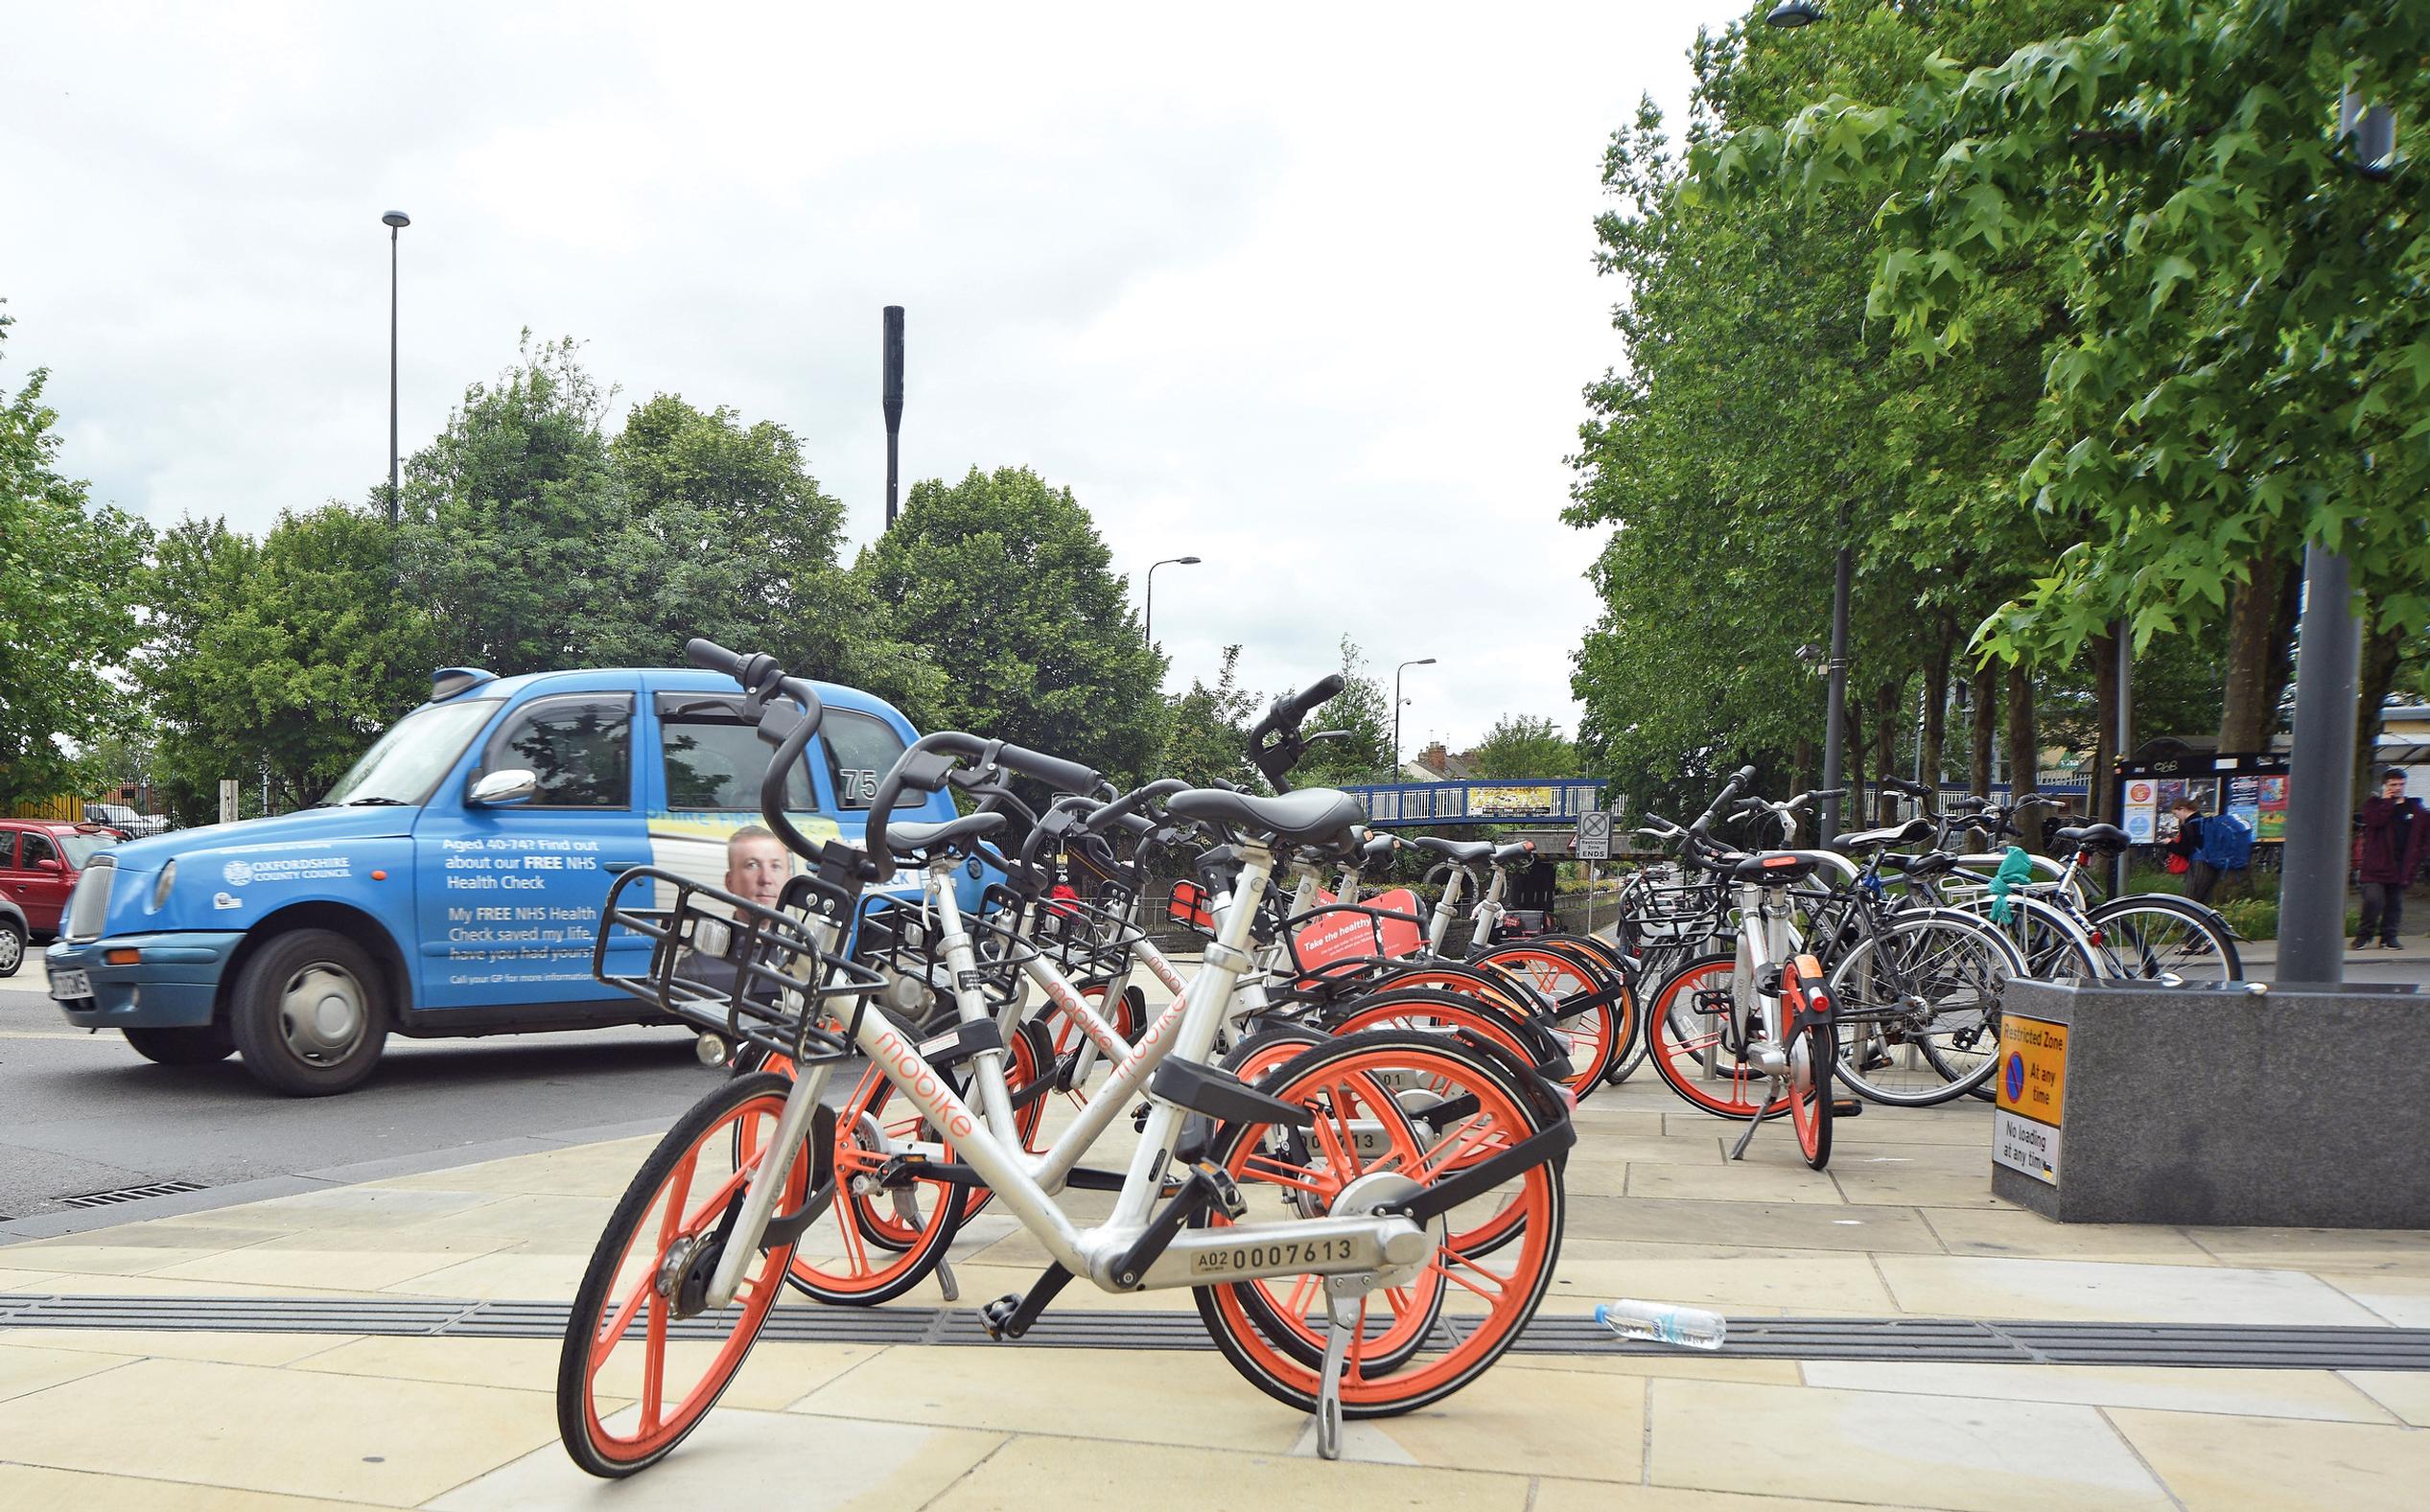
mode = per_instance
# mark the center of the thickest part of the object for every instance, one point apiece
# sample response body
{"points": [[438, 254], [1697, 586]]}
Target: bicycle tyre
{"points": [[1592, 1036], [1990, 961], [1506, 1105], [1678, 1038], [594, 1331], [2213, 945]]}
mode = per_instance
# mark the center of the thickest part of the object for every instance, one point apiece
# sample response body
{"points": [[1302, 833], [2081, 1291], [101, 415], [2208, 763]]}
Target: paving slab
{"points": [[1884, 1449], [258, 1428], [1045, 1474], [802, 1463], [2260, 1464], [2319, 1395], [33, 1488], [1953, 1286]]}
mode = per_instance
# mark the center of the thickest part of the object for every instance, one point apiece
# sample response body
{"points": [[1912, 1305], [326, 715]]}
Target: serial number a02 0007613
{"points": [[1272, 1255]]}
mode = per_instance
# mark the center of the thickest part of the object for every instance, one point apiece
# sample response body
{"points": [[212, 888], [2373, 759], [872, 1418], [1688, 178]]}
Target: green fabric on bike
{"points": [[2014, 867]]}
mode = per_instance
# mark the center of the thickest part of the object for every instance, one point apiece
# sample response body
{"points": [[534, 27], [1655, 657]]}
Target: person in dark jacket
{"points": [[2396, 830]]}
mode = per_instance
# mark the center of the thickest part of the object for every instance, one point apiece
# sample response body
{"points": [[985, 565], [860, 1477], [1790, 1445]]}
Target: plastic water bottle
{"points": [[1660, 1323]]}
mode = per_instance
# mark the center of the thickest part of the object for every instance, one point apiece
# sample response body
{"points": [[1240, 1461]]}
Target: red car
{"points": [[40, 860]]}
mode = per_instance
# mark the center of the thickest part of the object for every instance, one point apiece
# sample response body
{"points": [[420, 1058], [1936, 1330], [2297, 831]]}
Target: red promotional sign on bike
{"points": [[1339, 934]]}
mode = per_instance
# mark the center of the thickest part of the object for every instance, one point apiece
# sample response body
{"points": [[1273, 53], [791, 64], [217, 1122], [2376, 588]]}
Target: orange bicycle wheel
{"points": [[1689, 1049], [1359, 1136], [640, 1332]]}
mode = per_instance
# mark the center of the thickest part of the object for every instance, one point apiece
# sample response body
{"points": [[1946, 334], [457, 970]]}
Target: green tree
{"points": [[288, 655], [194, 578], [722, 525], [1759, 422], [1524, 745], [2245, 356], [1207, 737], [65, 618], [1363, 711], [1006, 581], [505, 517]]}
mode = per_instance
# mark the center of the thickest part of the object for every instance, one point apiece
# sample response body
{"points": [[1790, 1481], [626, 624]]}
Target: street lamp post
{"points": [[1424, 660], [1169, 561], [395, 221]]}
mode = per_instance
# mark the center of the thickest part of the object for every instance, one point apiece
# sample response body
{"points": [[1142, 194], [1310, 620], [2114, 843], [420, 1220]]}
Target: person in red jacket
{"points": [[2388, 856]]}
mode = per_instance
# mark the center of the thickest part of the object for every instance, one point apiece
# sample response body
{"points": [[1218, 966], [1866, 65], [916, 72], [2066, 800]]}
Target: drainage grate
{"points": [[1961, 1340], [132, 1194]]}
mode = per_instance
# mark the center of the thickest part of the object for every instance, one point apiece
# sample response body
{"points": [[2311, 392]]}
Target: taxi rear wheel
{"points": [[182, 1047], [310, 1014]]}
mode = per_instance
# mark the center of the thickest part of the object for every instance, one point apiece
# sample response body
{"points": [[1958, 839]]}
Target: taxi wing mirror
{"points": [[499, 789]]}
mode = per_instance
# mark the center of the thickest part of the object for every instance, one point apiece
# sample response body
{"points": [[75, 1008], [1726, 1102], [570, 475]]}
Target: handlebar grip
{"points": [[1052, 770], [709, 656], [1292, 708]]}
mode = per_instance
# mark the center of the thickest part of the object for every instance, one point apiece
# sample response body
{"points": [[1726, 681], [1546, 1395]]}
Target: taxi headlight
{"points": [[160, 889]]}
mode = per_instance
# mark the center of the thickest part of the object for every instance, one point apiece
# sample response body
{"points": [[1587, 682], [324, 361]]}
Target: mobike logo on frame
{"points": [[1156, 1036], [1090, 1022], [917, 1077]]}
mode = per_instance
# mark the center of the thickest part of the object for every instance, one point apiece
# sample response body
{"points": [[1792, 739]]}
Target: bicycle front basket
{"points": [[728, 966]]}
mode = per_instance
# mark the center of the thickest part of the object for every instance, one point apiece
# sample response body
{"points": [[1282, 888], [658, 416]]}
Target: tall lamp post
{"points": [[1424, 660], [2320, 792], [1169, 561], [395, 221]]}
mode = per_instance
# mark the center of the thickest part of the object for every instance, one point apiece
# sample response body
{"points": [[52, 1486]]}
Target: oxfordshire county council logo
{"points": [[2016, 1076], [238, 872]]}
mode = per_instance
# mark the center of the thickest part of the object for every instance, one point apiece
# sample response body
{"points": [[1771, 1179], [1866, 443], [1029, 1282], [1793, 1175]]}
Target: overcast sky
{"points": [[1305, 290]]}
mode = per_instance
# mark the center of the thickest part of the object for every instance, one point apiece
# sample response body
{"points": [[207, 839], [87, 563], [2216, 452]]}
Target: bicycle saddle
{"points": [[909, 837], [1775, 867], [1313, 816], [1465, 852], [1915, 831], [2095, 837]]}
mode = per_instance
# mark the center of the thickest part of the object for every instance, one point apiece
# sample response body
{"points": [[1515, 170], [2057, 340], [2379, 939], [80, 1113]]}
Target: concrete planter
{"points": [[2291, 1107]]}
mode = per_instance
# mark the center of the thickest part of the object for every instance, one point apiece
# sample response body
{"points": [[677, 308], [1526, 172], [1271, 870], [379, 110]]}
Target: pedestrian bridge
{"points": [[1499, 800]]}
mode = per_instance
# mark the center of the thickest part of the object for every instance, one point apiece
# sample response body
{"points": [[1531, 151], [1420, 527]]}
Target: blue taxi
{"points": [[451, 882]]}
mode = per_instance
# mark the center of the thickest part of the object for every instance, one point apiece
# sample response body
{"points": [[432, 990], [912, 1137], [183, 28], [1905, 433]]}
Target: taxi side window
{"points": [[859, 749], [716, 762], [578, 747], [37, 850]]}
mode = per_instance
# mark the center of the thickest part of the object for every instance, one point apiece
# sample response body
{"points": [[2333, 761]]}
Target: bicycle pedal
{"points": [[996, 1317], [1846, 1107], [1222, 1189]]}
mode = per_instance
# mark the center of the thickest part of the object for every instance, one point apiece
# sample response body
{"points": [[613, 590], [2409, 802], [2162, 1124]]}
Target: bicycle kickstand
{"points": [[1343, 1296], [1772, 1087], [909, 1212]]}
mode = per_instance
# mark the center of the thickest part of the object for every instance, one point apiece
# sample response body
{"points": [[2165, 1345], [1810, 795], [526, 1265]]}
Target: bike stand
{"points": [[1343, 1296], [1773, 1087], [909, 1212]]}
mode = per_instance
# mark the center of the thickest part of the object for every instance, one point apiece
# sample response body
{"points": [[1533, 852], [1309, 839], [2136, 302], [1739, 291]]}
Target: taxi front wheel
{"points": [[309, 1014]]}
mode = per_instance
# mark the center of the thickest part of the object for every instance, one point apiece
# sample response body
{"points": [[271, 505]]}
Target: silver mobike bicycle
{"points": [[1751, 1036], [1315, 1180]]}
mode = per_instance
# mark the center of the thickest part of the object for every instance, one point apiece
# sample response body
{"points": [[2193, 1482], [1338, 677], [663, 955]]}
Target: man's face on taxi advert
{"points": [[755, 867]]}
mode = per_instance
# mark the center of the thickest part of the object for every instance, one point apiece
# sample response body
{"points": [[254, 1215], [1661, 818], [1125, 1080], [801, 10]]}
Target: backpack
{"points": [[2226, 843]]}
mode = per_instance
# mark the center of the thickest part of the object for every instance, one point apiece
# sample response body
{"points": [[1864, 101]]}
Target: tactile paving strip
{"points": [[2246, 1346]]}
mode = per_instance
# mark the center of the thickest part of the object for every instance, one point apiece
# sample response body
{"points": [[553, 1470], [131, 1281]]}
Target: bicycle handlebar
{"points": [[932, 759], [1274, 742]]}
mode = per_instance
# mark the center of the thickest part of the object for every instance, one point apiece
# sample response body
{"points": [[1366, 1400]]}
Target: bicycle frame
{"points": [[988, 1144]]}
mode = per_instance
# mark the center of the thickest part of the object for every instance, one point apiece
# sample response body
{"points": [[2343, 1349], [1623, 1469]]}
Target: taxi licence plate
{"points": [[71, 983]]}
